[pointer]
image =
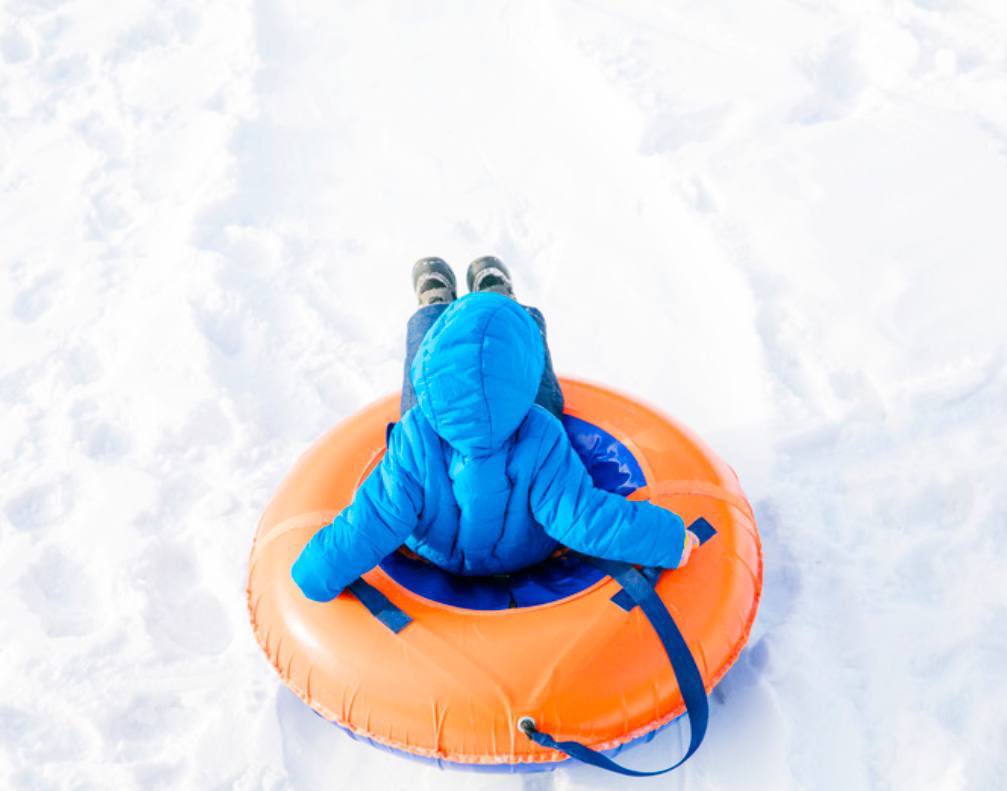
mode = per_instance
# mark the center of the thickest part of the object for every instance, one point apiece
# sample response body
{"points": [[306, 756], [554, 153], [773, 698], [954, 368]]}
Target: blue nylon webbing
{"points": [[379, 605], [690, 681], [704, 532]]}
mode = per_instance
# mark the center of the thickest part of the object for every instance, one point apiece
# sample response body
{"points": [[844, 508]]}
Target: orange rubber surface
{"points": [[453, 683]]}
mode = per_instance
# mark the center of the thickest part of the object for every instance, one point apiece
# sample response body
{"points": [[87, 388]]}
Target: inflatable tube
{"points": [[479, 654]]}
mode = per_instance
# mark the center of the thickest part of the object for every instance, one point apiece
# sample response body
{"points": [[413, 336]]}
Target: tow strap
{"points": [[638, 588]]}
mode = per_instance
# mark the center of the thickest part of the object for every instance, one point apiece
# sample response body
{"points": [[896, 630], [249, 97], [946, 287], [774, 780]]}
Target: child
{"points": [[479, 476]]}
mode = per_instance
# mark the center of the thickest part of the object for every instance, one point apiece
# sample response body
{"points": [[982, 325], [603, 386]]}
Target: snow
{"points": [[780, 221]]}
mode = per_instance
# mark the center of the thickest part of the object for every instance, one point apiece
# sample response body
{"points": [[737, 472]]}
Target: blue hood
{"points": [[477, 372]]}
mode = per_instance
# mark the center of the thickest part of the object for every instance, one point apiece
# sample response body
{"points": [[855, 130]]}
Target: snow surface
{"points": [[781, 221]]}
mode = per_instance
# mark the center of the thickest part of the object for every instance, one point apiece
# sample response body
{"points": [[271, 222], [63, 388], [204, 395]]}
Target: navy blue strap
{"points": [[704, 532], [379, 605], [690, 681]]}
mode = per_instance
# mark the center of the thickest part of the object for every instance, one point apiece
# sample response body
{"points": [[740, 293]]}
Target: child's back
{"points": [[477, 478]]}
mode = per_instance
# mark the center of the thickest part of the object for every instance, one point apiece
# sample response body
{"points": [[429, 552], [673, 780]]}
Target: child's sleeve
{"points": [[382, 515], [573, 511]]}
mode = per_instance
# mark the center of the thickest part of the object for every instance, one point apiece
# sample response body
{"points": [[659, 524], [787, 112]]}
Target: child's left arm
{"points": [[573, 511], [380, 518]]}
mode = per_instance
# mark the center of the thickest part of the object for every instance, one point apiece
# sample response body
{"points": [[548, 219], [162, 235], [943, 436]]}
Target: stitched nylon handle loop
{"points": [[379, 605]]}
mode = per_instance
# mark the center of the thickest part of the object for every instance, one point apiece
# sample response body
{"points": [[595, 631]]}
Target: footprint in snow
{"points": [[746, 703], [40, 506], [668, 131], [221, 323], [195, 622], [31, 737], [180, 612], [110, 212], [751, 666], [160, 774], [16, 46], [61, 594], [81, 365], [206, 426], [66, 73], [100, 439], [782, 584], [139, 727], [32, 302], [102, 135]]}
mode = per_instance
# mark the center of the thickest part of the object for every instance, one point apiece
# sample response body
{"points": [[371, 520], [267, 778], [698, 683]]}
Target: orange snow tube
{"points": [[451, 685]]}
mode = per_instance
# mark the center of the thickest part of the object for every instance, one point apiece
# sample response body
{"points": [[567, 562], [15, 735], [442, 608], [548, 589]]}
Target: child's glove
{"points": [[691, 542]]}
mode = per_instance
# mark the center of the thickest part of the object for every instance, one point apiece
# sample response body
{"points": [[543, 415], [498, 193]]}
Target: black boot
{"points": [[489, 274], [433, 281]]}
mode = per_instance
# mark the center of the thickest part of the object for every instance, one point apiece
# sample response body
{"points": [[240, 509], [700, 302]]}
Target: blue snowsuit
{"points": [[477, 478]]}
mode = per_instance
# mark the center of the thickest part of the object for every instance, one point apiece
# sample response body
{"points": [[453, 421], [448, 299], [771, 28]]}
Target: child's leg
{"points": [[549, 394], [421, 321], [434, 284]]}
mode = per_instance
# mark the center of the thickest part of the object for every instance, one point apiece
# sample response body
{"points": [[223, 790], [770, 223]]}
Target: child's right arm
{"points": [[378, 521]]}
